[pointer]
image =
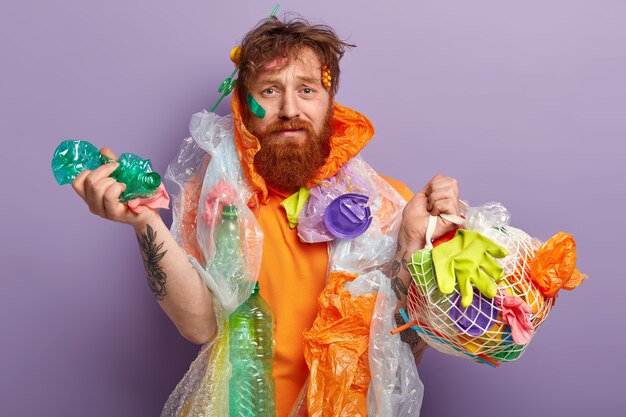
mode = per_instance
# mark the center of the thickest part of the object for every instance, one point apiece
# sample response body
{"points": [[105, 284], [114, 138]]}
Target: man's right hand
{"points": [[101, 193]]}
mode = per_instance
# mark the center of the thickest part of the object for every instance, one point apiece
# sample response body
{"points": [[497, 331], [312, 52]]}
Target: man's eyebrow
{"points": [[268, 80], [311, 80]]}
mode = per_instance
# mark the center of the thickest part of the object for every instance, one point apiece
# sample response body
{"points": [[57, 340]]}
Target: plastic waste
{"points": [[555, 265], [251, 389], [72, 157], [228, 261], [468, 259], [336, 351]]}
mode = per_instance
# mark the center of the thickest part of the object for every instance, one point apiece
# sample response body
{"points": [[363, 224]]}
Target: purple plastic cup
{"points": [[476, 318], [348, 216]]}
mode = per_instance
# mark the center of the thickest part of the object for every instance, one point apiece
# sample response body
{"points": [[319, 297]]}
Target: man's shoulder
{"points": [[399, 186]]}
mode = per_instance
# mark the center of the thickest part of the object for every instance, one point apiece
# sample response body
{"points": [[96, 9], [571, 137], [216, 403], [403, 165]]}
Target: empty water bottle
{"points": [[72, 157], [228, 261], [251, 389]]}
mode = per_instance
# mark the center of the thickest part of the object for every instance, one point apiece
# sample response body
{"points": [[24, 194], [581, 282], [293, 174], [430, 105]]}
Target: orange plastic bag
{"points": [[336, 351], [554, 266]]}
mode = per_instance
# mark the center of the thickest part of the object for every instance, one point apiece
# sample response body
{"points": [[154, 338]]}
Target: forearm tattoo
{"points": [[411, 338], [152, 255], [397, 285]]}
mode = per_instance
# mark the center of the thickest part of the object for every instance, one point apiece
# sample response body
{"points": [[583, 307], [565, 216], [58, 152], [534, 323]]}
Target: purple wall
{"points": [[524, 102]]}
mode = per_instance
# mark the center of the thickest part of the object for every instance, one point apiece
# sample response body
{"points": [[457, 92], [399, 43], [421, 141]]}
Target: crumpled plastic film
{"points": [[395, 389], [201, 392], [311, 227], [184, 176], [209, 175], [555, 264], [489, 215], [336, 351], [377, 245]]}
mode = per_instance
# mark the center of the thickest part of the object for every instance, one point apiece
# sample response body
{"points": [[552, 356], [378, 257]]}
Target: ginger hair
{"points": [[273, 38]]}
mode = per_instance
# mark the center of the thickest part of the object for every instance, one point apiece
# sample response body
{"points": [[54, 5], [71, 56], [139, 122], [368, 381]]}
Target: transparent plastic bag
{"points": [[377, 246], [203, 391], [311, 226], [208, 176], [395, 389]]}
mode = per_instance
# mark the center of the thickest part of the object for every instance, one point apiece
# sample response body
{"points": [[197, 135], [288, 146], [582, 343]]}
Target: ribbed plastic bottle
{"points": [[251, 389], [228, 259], [72, 157]]}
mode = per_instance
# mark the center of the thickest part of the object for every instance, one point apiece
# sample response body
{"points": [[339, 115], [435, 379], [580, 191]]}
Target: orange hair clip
{"points": [[326, 77]]}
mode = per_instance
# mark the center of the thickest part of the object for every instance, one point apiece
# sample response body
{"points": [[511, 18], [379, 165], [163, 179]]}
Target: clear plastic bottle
{"points": [[71, 157], [228, 260], [251, 389]]}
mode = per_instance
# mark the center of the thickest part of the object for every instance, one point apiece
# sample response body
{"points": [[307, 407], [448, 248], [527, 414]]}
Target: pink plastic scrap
{"points": [[516, 313], [160, 199], [222, 195]]}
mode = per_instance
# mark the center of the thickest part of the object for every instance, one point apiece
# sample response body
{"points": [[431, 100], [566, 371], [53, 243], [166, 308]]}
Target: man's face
{"points": [[295, 132], [290, 90]]}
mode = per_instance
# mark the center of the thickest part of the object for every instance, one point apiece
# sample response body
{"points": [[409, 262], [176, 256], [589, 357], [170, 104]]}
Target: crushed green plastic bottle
{"points": [[72, 157]]}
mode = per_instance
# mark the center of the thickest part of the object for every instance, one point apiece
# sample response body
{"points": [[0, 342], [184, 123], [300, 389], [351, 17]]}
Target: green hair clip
{"points": [[228, 84]]}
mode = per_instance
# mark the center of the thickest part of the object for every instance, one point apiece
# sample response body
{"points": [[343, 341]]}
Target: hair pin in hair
{"points": [[228, 84], [326, 77]]}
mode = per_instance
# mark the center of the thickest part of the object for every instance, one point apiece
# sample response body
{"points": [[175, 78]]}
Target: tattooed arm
{"points": [[400, 280], [440, 195], [171, 277], [174, 281]]}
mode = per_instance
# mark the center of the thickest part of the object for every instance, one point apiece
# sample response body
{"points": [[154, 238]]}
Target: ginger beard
{"points": [[288, 163]]}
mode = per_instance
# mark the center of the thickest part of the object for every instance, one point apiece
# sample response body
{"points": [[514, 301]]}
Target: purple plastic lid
{"points": [[477, 318], [348, 216]]}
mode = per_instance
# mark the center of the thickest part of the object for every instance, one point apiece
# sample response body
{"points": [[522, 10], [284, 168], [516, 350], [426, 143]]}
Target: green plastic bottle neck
{"points": [[229, 212], [150, 180]]}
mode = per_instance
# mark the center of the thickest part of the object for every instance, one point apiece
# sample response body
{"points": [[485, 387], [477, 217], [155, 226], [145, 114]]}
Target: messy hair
{"points": [[272, 39]]}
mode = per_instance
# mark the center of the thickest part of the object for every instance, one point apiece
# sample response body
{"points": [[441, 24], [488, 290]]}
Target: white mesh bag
{"points": [[479, 331]]}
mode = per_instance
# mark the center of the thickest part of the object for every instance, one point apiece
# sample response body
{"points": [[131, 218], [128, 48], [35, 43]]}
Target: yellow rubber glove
{"points": [[468, 259]]}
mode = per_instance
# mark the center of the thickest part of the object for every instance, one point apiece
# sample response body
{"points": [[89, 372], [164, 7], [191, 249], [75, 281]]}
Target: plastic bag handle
{"points": [[432, 223]]}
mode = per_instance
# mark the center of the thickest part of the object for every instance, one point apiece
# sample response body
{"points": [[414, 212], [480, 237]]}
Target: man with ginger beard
{"points": [[290, 133]]}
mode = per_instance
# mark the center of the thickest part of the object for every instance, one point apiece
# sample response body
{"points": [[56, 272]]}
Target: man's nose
{"points": [[289, 107]]}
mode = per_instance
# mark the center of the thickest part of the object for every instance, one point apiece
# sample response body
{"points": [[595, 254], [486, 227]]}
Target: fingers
{"points": [[95, 195], [95, 186], [492, 268], [446, 205], [485, 284], [79, 183], [446, 274], [465, 279], [112, 207], [108, 153], [496, 251], [443, 195]]}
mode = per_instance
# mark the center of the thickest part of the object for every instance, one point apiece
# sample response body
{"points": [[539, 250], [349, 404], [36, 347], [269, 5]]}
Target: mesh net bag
{"points": [[479, 331]]}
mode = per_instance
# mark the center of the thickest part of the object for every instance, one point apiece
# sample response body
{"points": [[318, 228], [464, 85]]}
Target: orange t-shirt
{"points": [[292, 276]]}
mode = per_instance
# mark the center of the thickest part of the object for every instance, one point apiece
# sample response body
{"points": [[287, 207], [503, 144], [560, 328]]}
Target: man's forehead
{"points": [[304, 63]]}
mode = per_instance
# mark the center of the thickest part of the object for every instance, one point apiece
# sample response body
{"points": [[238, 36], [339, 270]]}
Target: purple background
{"points": [[523, 101]]}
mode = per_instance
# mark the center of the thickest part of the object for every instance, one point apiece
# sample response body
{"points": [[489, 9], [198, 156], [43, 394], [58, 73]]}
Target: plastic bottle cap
{"points": [[348, 216], [229, 212], [477, 318]]}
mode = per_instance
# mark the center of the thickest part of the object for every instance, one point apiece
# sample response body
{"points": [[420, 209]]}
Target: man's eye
{"points": [[307, 91], [268, 91]]}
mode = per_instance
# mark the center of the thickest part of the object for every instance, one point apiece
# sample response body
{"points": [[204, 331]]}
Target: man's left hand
{"points": [[440, 195]]}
